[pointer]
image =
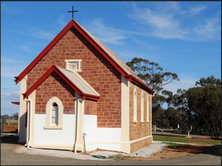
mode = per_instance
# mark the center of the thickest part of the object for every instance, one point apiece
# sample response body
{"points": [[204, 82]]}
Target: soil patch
{"points": [[183, 150]]}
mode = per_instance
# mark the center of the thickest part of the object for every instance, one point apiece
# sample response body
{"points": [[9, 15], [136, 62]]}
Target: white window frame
{"points": [[73, 60], [57, 110], [148, 104], [135, 106], [49, 105], [142, 107]]}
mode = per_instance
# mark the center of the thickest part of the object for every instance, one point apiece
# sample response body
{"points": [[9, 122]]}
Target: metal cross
{"points": [[73, 12]]}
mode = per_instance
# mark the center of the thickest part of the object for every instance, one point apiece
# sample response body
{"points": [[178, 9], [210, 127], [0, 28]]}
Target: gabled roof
{"points": [[104, 50], [73, 79]]}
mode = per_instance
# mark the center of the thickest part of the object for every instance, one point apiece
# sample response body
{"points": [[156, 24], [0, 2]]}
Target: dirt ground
{"points": [[183, 150]]}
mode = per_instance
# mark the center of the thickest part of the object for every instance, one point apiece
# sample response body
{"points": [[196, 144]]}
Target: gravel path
{"points": [[10, 158], [212, 156]]}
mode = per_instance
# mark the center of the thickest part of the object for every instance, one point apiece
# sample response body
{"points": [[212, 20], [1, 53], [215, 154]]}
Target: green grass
{"points": [[117, 157], [3, 134], [169, 138], [173, 145], [181, 139], [12, 124]]}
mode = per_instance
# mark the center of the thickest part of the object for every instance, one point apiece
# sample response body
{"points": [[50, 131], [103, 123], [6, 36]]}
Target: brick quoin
{"points": [[96, 71], [59, 89]]}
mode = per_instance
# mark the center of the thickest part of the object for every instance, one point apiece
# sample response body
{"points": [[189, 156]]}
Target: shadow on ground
{"points": [[12, 139], [213, 150]]}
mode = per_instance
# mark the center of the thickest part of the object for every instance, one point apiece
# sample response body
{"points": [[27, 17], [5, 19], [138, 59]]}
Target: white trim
{"points": [[148, 104], [151, 116], [142, 107], [73, 60], [53, 146], [124, 113], [53, 127], [30, 118], [140, 139], [48, 124], [134, 105], [22, 111], [79, 127]]}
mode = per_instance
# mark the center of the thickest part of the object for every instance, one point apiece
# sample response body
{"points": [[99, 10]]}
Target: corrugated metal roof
{"points": [[111, 54], [78, 81]]}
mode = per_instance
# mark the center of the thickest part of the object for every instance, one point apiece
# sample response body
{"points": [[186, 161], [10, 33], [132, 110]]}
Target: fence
{"points": [[9, 124]]}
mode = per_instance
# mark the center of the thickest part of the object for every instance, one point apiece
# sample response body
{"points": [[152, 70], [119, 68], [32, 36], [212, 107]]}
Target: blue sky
{"points": [[182, 37]]}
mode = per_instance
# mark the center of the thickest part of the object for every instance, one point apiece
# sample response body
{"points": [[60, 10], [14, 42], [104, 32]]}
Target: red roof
{"points": [[107, 53], [66, 79]]}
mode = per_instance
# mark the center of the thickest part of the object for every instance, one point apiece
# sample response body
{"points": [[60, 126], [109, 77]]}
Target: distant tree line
{"points": [[199, 106]]}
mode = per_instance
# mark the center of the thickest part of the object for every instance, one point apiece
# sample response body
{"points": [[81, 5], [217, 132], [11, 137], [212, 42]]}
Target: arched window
{"points": [[135, 106], [54, 113], [142, 107]]}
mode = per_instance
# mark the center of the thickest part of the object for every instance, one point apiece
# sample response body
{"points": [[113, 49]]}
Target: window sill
{"points": [[134, 121], [54, 127]]}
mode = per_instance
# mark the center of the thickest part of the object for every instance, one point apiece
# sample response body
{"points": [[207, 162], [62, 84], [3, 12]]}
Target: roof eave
{"points": [[44, 76], [45, 51], [71, 24], [142, 85]]}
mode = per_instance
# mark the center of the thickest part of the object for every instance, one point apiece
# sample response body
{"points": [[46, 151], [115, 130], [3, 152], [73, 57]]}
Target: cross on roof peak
{"points": [[73, 12]]}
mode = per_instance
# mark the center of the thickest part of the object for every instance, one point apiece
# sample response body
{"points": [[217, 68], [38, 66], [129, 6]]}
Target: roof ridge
{"points": [[112, 53]]}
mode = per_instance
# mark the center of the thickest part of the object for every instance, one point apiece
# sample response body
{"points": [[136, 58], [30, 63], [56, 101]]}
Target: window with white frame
{"points": [[147, 108], [54, 114], [73, 64], [135, 106], [142, 107]]}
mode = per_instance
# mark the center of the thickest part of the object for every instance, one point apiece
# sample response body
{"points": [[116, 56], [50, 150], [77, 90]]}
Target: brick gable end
{"points": [[96, 71]]}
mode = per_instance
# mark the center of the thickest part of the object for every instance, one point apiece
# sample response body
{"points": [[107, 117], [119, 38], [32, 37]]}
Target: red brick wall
{"points": [[96, 70], [139, 129], [90, 107], [54, 85]]}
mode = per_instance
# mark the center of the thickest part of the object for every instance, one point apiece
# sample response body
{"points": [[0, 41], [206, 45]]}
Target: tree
{"points": [[205, 104], [208, 81], [151, 73], [177, 111]]}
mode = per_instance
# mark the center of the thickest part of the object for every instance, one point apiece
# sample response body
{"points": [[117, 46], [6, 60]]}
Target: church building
{"points": [[79, 95]]}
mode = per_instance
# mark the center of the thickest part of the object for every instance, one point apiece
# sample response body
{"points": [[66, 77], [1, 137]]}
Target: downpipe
{"points": [[84, 134]]}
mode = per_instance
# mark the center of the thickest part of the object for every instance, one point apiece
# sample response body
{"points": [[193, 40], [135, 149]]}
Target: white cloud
{"points": [[11, 95], [104, 33], [185, 82], [41, 34], [5, 60], [210, 30], [24, 47], [195, 10], [9, 108], [167, 21], [61, 21], [11, 71]]}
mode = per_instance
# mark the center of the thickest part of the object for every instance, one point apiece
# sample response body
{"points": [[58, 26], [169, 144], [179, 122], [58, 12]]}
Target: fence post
{"points": [[9, 120]]}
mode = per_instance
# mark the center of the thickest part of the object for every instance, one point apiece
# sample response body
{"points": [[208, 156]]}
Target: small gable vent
{"points": [[73, 65]]}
